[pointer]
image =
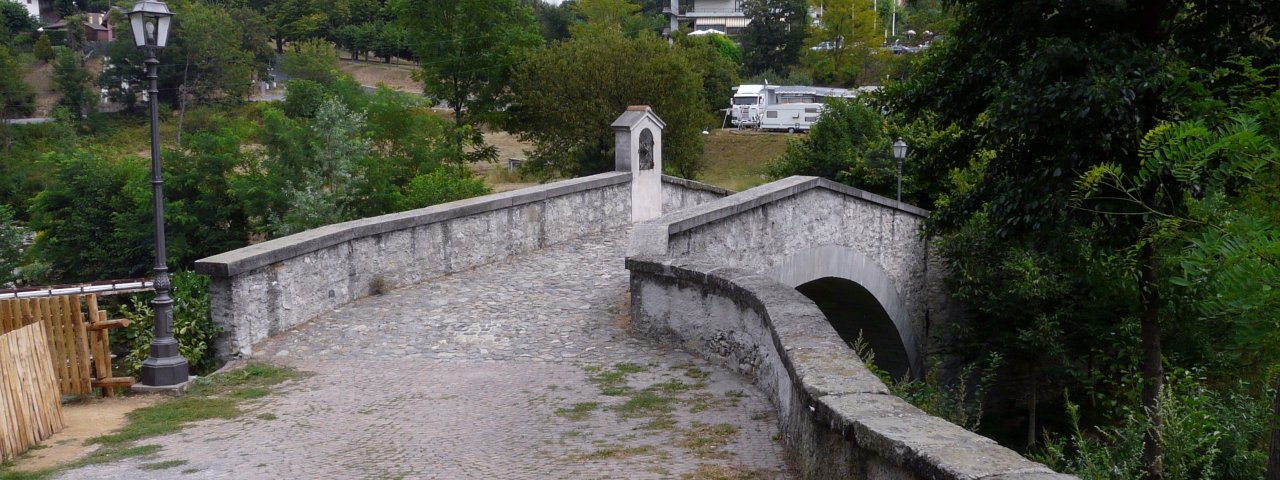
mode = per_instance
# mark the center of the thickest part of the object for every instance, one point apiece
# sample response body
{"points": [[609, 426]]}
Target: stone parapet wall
{"points": [[837, 418], [678, 193], [269, 287]]}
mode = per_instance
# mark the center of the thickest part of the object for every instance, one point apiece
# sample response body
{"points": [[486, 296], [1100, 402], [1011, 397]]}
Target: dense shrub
{"points": [[440, 186], [192, 324]]}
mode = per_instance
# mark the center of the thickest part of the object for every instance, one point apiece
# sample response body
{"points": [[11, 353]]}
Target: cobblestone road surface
{"points": [[520, 369]]}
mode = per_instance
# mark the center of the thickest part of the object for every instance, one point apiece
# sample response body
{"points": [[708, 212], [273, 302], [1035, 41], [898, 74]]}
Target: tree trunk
{"points": [[1031, 413], [279, 44], [182, 102], [1273, 457], [1152, 369]]}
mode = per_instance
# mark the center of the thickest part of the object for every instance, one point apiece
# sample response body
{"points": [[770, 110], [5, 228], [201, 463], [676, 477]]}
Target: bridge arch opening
{"points": [[856, 293], [855, 312]]}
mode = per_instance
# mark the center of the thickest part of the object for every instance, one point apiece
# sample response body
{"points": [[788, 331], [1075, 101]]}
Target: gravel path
{"points": [[521, 369]]}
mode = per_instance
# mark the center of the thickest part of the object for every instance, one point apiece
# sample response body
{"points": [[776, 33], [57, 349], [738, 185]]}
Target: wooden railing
{"points": [[77, 339]]}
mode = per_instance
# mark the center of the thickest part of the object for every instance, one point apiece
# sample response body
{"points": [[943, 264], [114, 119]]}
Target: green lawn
{"points": [[736, 159]]}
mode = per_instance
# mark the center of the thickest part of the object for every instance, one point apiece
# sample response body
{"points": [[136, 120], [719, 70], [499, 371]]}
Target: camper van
{"points": [[781, 108]]}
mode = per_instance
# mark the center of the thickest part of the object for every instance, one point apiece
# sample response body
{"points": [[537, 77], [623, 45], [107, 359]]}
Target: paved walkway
{"points": [[521, 369]]}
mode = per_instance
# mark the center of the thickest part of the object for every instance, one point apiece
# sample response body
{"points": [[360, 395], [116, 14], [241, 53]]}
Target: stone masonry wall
{"points": [[838, 420], [764, 228], [266, 288]]}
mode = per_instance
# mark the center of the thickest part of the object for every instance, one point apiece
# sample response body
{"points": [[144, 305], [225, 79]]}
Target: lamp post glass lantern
{"points": [[165, 366], [900, 153]]}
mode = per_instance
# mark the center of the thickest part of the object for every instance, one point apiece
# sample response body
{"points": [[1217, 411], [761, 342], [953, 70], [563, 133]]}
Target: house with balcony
{"points": [[44, 10], [724, 16]]}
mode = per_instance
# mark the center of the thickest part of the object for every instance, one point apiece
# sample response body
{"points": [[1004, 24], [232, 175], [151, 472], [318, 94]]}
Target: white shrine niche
{"points": [[638, 149]]}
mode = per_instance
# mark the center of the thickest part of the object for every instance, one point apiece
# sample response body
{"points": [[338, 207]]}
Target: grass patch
{"points": [[108, 455], [646, 402], [675, 386], [169, 417], [736, 160], [190, 471], [251, 393], [163, 465], [660, 422], [579, 411], [267, 416], [616, 451], [692, 371], [216, 397], [705, 440], [613, 382], [721, 472]]}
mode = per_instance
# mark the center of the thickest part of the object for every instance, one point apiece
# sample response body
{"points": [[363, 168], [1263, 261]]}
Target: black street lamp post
{"points": [[165, 367], [900, 153]]}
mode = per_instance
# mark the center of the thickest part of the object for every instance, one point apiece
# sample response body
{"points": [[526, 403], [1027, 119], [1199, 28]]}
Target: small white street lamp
{"points": [[165, 367], [900, 153]]}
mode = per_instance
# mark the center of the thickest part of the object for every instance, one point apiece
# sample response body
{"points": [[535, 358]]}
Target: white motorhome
{"points": [[778, 107], [791, 117]]}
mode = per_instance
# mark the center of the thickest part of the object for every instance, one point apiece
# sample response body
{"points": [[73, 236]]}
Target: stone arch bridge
{"points": [[621, 325]]}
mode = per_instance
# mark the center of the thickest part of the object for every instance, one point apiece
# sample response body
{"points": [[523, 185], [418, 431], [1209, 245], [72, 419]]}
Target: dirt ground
{"points": [[496, 174], [40, 78], [396, 76], [84, 420]]}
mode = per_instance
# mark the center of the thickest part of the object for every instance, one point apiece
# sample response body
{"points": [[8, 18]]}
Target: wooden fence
{"points": [[30, 401], [78, 343]]}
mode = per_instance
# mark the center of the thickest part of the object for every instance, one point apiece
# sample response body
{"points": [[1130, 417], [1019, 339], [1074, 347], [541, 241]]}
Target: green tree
{"points": [[440, 186], [776, 35], [94, 219], [327, 165], [848, 28], [570, 92], [1035, 99], [315, 60], [71, 80], [1199, 188], [202, 215], [214, 65], [10, 247], [847, 144], [16, 20], [16, 97], [467, 49], [718, 71], [297, 20], [43, 50]]}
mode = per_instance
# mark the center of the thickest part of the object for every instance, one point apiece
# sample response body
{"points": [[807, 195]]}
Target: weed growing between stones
{"points": [[646, 402], [617, 451], [579, 411], [721, 472], [163, 465], [657, 407], [705, 440]]}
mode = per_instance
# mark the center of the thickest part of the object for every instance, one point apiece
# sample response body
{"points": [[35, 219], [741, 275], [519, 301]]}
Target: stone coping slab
{"points": [[834, 389], [272, 251], [683, 220]]}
